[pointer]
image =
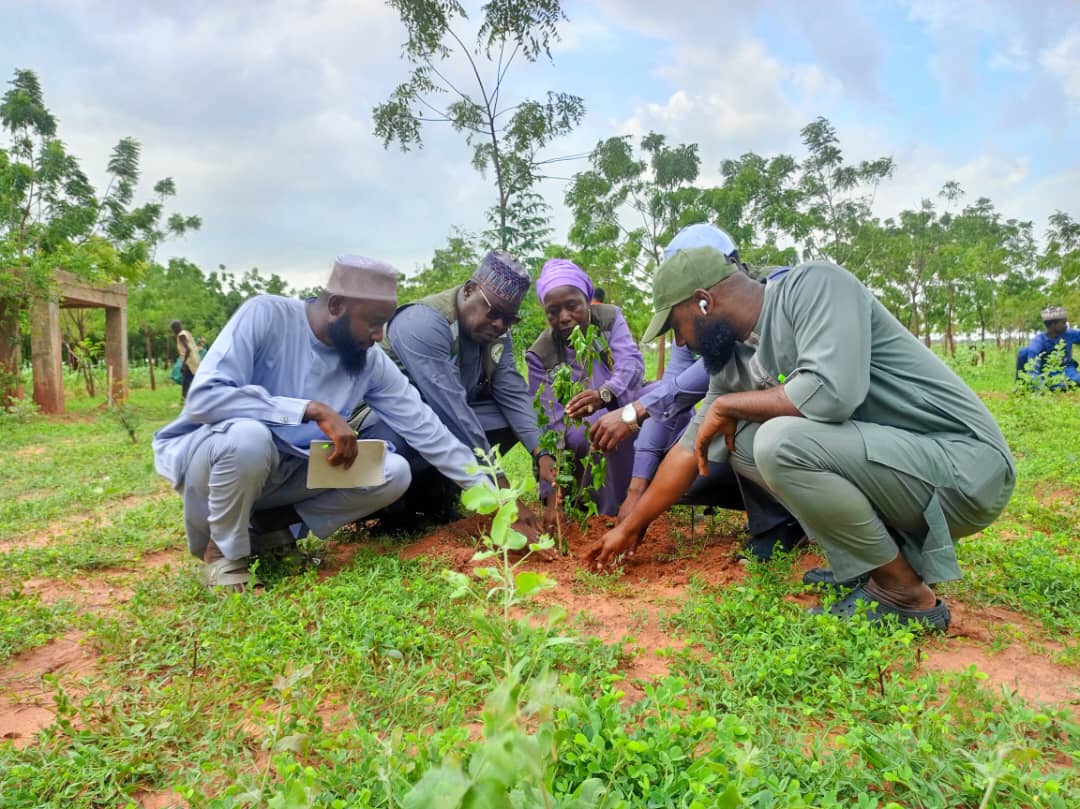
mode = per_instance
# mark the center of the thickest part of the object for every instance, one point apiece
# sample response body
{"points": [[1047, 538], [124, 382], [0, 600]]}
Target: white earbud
{"points": [[703, 307]]}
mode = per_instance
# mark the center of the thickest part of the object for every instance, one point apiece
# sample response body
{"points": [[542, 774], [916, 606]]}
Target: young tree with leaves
{"points": [[626, 208], [464, 85], [836, 200]]}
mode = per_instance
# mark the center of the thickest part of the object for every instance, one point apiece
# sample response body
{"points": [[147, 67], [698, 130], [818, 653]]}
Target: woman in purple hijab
{"points": [[565, 292]]}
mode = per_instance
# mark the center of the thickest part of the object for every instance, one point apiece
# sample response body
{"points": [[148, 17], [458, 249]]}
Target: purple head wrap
{"points": [[561, 272]]}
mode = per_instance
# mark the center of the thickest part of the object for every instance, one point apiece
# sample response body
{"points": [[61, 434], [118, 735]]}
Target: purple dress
{"points": [[624, 381]]}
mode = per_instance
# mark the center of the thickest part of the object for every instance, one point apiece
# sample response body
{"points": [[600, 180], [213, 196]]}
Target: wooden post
{"points": [[116, 350], [45, 356]]}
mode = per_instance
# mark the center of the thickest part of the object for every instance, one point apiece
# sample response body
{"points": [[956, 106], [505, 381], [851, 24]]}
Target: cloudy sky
{"points": [[261, 111]]}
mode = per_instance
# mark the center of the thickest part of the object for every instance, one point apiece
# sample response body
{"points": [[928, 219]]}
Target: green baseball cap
{"points": [[678, 277]]}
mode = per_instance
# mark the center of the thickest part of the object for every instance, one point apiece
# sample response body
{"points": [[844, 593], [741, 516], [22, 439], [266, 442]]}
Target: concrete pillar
{"points": [[116, 350], [45, 356]]}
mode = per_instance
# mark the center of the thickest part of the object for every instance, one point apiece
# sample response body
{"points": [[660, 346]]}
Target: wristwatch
{"points": [[606, 397], [629, 417]]}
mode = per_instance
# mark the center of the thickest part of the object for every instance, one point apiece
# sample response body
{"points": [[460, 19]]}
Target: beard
{"points": [[716, 342], [353, 359]]}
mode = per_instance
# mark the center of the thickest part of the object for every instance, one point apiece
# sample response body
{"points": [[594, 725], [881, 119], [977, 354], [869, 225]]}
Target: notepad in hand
{"points": [[367, 469]]}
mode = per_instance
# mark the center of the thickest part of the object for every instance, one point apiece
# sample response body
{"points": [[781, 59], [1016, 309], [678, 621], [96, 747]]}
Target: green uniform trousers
{"points": [[865, 491]]}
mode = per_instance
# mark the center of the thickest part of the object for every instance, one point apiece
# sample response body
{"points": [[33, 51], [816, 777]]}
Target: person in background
{"points": [[866, 436], [1057, 333], [599, 295], [455, 347], [189, 356], [565, 291], [662, 412], [283, 373]]}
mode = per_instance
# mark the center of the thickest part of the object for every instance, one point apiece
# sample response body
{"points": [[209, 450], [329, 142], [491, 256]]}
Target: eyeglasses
{"points": [[494, 314]]}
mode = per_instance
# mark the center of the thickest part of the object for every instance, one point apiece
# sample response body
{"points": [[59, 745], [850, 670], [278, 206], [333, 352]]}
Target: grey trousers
{"points": [[239, 470], [867, 492]]}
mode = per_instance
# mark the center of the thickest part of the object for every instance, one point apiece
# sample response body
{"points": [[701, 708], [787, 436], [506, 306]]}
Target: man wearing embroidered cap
{"points": [[882, 453], [1057, 335], [282, 373], [455, 347]]}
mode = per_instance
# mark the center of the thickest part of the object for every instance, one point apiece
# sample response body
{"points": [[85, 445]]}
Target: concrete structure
{"points": [[46, 356]]}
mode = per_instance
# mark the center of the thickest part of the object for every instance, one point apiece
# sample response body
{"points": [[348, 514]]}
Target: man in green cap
{"points": [[882, 453]]}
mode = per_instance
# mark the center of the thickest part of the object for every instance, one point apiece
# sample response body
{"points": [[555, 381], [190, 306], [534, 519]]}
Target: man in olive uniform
{"points": [[881, 452]]}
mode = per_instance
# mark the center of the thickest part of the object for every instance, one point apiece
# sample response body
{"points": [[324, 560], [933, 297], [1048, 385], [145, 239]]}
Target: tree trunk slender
{"points": [[11, 386]]}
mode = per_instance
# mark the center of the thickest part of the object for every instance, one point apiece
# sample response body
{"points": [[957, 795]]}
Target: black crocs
{"points": [[823, 577], [936, 618]]}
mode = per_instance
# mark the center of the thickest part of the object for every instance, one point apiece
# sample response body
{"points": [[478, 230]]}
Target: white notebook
{"points": [[367, 470]]}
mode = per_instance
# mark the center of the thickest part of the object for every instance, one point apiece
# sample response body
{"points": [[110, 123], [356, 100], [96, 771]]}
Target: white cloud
{"points": [[1063, 60], [1002, 35], [728, 102]]}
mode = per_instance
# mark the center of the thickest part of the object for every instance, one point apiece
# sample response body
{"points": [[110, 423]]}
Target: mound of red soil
{"points": [[669, 556]]}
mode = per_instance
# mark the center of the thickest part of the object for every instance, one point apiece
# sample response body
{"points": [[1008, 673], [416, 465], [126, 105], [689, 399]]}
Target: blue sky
{"points": [[261, 111]]}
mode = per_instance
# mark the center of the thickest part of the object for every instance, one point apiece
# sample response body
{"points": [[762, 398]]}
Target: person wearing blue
{"points": [[455, 347], [1057, 333], [662, 412], [282, 373]]}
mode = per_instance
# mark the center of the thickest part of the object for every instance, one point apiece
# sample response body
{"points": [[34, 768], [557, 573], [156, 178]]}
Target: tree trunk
{"points": [[149, 358], [11, 386], [661, 345], [950, 338]]}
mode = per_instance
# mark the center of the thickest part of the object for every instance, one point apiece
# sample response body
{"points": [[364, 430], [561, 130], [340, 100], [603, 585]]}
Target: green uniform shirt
{"points": [[842, 357]]}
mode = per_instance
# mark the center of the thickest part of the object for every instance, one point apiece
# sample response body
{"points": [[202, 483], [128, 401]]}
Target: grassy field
{"points": [[365, 682]]}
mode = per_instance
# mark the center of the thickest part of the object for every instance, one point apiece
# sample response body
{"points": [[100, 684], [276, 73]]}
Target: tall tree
{"points": [[758, 204], [1061, 261], [626, 208], [837, 199], [51, 216], [507, 137]]}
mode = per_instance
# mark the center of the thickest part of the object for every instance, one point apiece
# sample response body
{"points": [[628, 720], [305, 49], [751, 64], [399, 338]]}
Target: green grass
{"points": [[27, 623], [347, 690]]}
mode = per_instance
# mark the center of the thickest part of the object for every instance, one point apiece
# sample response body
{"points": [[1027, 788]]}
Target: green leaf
{"points": [[480, 498], [295, 743], [500, 526], [515, 540], [527, 582]]}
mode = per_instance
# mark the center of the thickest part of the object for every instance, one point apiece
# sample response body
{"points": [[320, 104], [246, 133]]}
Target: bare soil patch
{"points": [[652, 584], [1015, 667], [27, 703]]}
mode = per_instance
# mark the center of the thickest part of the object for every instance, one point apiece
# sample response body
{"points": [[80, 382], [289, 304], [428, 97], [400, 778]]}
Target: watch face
{"points": [[605, 396]]}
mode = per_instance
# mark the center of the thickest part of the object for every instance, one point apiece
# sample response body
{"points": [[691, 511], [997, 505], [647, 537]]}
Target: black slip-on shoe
{"points": [[823, 577], [937, 617]]}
